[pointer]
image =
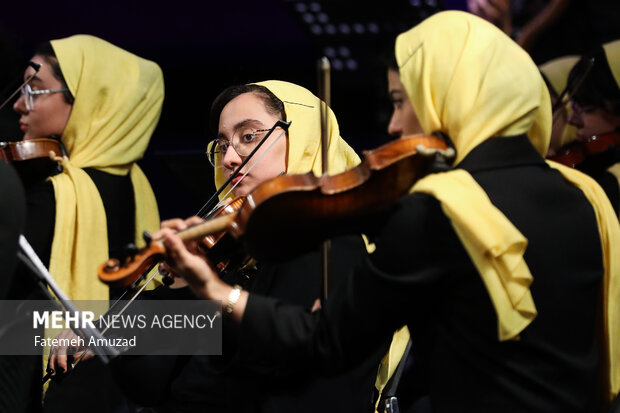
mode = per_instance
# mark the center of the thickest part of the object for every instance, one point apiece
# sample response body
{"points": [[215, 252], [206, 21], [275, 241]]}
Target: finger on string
{"points": [[194, 220], [174, 223]]}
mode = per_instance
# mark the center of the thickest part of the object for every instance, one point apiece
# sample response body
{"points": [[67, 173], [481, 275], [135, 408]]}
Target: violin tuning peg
{"points": [[131, 250], [148, 238], [439, 164]]}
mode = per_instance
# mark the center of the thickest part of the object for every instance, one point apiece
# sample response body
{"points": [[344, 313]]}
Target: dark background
{"points": [[205, 46]]}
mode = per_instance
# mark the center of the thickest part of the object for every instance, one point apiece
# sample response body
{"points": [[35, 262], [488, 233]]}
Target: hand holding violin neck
{"points": [[127, 270], [208, 227]]}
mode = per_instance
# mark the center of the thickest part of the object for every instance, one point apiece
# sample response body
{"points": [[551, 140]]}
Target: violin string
{"points": [[256, 161], [134, 296], [132, 290], [570, 90], [129, 301]]}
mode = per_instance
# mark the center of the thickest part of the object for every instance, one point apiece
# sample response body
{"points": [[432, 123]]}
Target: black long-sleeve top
{"points": [[422, 276], [228, 384]]}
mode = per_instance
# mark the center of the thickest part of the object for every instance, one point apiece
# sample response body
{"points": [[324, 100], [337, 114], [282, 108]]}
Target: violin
{"points": [[575, 153], [31, 149], [296, 212]]}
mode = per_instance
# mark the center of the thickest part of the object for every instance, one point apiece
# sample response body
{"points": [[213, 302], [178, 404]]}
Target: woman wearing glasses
{"points": [[103, 104], [241, 117]]}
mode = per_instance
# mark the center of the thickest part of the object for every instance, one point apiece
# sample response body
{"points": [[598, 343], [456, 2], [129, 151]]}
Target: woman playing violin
{"points": [[240, 117], [479, 261], [104, 134], [596, 115], [103, 104]]}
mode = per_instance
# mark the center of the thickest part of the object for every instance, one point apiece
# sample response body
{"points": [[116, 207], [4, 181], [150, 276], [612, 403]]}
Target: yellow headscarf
{"points": [[466, 78], [463, 89], [118, 99], [612, 52], [304, 135], [556, 71]]}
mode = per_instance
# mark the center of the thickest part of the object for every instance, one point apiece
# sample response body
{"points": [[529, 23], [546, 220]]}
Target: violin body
{"points": [[571, 154], [576, 153], [30, 149]]}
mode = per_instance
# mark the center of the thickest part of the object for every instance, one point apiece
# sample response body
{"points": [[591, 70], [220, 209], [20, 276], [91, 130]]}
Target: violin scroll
{"points": [[126, 270]]}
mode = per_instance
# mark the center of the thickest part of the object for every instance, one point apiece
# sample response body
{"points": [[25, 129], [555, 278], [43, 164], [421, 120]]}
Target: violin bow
{"points": [[325, 100], [570, 89], [36, 67], [62, 302]]}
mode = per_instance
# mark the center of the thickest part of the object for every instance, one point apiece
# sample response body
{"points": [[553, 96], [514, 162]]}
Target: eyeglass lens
{"points": [[243, 143], [28, 100]]}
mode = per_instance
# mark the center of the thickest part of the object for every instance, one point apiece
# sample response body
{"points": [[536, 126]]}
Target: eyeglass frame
{"points": [[213, 144], [29, 94]]}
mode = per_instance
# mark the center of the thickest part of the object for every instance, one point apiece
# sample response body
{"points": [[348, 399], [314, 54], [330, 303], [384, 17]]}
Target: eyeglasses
{"points": [[243, 142], [29, 94]]}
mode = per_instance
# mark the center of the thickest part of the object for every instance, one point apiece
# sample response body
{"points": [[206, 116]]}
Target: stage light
{"points": [[301, 7], [344, 51], [344, 28], [308, 18], [329, 51], [316, 29], [359, 28], [322, 18], [351, 64], [330, 29]]}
